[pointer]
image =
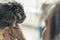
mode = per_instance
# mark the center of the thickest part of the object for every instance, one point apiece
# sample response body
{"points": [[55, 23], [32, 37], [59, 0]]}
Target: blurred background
{"points": [[32, 8]]}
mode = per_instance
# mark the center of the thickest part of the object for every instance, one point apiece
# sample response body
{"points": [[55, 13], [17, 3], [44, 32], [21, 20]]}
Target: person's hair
{"points": [[10, 12], [54, 22]]}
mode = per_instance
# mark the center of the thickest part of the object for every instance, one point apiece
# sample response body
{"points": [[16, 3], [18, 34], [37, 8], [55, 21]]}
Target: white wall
{"points": [[6, 1], [33, 7]]}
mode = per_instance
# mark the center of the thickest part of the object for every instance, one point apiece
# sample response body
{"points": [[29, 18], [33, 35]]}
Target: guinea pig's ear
{"points": [[20, 14], [20, 17]]}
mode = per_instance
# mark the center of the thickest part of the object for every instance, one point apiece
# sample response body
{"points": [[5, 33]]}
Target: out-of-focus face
{"points": [[44, 15], [44, 9], [46, 12]]}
